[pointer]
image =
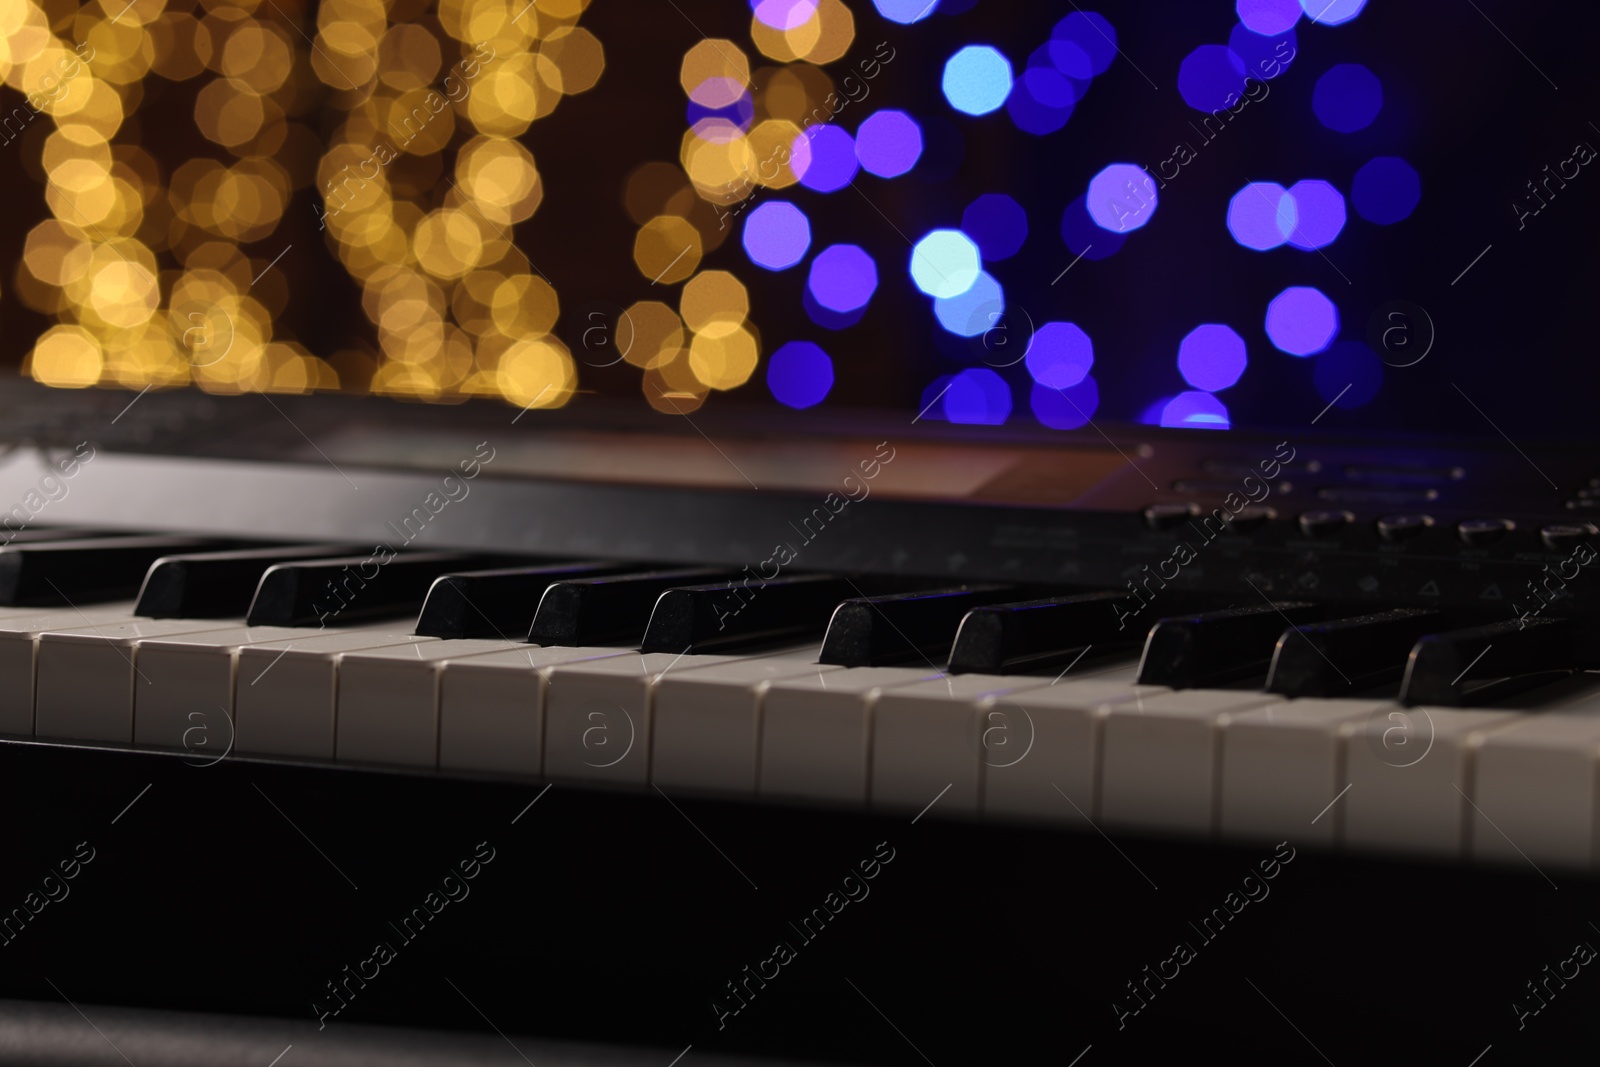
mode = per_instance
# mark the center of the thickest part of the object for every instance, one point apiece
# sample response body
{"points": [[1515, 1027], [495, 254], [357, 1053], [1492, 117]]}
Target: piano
{"points": [[810, 531]]}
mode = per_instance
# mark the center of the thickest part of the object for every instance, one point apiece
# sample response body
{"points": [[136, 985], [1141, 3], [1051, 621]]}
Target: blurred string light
{"points": [[417, 193], [1302, 321]]}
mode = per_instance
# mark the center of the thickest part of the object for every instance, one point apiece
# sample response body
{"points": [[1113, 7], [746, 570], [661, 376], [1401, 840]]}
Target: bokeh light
{"points": [[1319, 214], [1268, 17], [825, 158], [1264, 58], [977, 79], [1042, 100], [888, 143], [1262, 215], [1348, 374], [777, 235], [784, 14], [1083, 235], [1065, 409], [1089, 34], [997, 223], [945, 263], [843, 278], [1211, 78], [1301, 321], [800, 374], [1121, 198], [973, 312], [905, 11], [978, 396], [1195, 411], [1211, 357], [1347, 98], [1386, 190], [1332, 12], [1060, 355]]}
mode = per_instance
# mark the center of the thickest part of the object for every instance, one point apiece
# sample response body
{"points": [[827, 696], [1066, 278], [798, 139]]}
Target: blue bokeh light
{"points": [[1195, 411], [1319, 214], [843, 278], [1347, 98], [1348, 374], [997, 223], [977, 79], [1301, 321], [1332, 12], [1268, 17], [800, 374], [1065, 409], [945, 263], [978, 396], [1083, 236], [776, 235], [1211, 78], [1264, 58], [1122, 198], [974, 311], [889, 143], [905, 12], [1092, 35], [1042, 101], [1386, 190], [1262, 215], [824, 158], [1060, 356], [1211, 357]]}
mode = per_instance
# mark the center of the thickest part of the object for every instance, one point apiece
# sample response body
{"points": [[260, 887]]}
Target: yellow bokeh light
{"points": [[67, 357], [524, 306], [724, 355], [578, 57], [714, 73], [715, 296], [536, 374], [667, 249], [649, 333]]}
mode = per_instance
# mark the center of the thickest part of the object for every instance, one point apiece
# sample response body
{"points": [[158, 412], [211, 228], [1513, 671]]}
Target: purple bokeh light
{"points": [[1264, 57], [824, 158], [784, 14], [974, 311], [843, 278], [800, 374], [1301, 321], [997, 223], [1122, 197], [1195, 411], [1092, 35], [1065, 409], [1347, 98], [1268, 17], [1319, 214], [1211, 357], [1386, 190], [978, 396], [1080, 233], [1262, 215], [1060, 355], [1348, 374], [776, 235], [1211, 78], [888, 143]]}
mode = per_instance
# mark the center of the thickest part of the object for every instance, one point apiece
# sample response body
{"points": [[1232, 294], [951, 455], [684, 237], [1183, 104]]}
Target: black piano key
{"points": [[609, 610], [700, 618], [346, 589], [877, 630], [1483, 663], [217, 585], [496, 603], [83, 571], [1333, 658], [1213, 647], [1033, 634]]}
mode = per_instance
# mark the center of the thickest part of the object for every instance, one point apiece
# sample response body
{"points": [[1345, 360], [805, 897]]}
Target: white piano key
{"points": [[598, 714], [1408, 770], [388, 709], [19, 635], [285, 691], [1534, 787], [1058, 729], [491, 707], [1283, 765], [928, 740], [1159, 757], [86, 676], [816, 732], [706, 733]]}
